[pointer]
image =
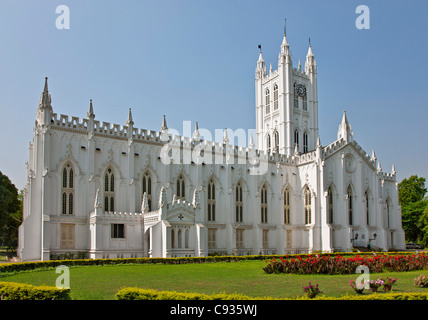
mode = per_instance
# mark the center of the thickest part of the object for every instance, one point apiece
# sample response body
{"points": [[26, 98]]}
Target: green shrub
{"points": [[20, 291], [150, 294]]}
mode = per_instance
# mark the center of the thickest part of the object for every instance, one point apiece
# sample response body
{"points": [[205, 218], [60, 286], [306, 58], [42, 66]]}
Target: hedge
{"points": [[151, 294], [25, 266], [20, 291]]}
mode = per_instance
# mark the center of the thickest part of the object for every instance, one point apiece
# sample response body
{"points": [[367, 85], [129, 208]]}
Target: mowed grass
{"points": [[245, 277]]}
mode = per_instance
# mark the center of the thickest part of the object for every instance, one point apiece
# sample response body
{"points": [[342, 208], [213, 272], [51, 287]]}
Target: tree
{"points": [[411, 190], [10, 212], [414, 209]]}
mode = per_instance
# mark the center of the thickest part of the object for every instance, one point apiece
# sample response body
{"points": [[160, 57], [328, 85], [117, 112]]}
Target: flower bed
{"points": [[329, 264]]}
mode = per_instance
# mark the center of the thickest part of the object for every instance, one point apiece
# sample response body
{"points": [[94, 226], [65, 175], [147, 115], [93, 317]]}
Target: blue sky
{"points": [[195, 60]]}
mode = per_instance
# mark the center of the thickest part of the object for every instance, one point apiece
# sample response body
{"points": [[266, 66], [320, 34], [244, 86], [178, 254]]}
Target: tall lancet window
{"points": [[276, 141], [287, 206], [211, 201], [67, 190], [268, 143], [239, 204], [267, 101], [366, 197], [305, 102], [388, 222], [264, 205], [275, 97], [109, 190], [305, 142], [147, 188], [181, 188], [330, 205], [308, 210], [350, 206], [296, 97], [296, 139]]}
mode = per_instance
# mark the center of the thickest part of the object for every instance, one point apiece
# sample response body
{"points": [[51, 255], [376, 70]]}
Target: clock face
{"points": [[301, 90]]}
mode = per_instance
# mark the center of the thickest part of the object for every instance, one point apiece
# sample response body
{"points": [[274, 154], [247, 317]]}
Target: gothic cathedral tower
{"points": [[287, 104]]}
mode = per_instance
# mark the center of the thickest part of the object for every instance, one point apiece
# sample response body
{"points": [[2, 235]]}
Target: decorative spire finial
{"points": [[91, 109], [164, 126], [129, 121], [45, 98]]}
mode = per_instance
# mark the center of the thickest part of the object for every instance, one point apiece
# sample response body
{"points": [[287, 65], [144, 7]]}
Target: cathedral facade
{"points": [[113, 191]]}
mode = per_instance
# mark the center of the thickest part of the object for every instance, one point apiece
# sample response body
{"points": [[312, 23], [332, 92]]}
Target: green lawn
{"points": [[246, 277]]}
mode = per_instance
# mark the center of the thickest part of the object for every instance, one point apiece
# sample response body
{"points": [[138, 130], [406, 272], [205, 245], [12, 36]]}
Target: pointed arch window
{"points": [[296, 139], [181, 188], [366, 197], [67, 189], [308, 209], [305, 142], [305, 102], [296, 97], [276, 141], [211, 201], [268, 142], [350, 206], [275, 97], [239, 204], [330, 205], [264, 205], [387, 213], [147, 188], [267, 101], [109, 190], [287, 206]]}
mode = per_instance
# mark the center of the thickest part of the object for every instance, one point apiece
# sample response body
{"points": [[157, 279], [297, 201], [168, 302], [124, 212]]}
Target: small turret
{"points": [[345, 131], [310, 64], [44, 111]]}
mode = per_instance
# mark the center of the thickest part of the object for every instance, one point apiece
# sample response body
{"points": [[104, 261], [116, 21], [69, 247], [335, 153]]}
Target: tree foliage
{"points": [[414, 209], [10, 212]]}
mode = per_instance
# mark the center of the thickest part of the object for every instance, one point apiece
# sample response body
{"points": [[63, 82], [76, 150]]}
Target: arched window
{"points": [[330, 205], [296, 97], [264, 205], [180, 238], [366, 197], [172, 238], [147, 188], [276, 141], [239, 204], [305, 102], [308, 215], [211, 201], [268, 143], [267, 101], [305, 142], [350, 205], [296, 139], [287, 206], [275, 97], [387, 213], [181, 189], [67, 190], [109, 190]]}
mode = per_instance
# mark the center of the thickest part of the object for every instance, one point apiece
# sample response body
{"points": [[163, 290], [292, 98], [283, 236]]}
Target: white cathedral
{"points": [[115, 191]]}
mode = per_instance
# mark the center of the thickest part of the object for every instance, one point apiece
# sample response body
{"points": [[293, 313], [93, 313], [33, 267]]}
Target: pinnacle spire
{"points": [[91, 109], [129, 121], [196, 134], [45, 98], [225, 137], [164, 126]]}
